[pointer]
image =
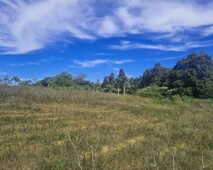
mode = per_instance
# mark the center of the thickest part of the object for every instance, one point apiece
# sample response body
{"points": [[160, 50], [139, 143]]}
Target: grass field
{"points": [[69, 129]]}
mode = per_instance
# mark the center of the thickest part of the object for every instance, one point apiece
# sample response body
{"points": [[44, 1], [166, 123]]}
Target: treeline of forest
{"points": [[192, 76]]}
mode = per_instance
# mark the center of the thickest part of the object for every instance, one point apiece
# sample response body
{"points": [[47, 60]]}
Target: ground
{"points": [[70, 129]]}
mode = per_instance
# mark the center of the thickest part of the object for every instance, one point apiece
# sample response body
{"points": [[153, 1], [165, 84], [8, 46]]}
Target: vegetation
{"points": [[57, 129], [192, 76], [66, 122]]}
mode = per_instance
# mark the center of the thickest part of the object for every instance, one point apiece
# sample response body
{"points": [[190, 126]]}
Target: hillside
{"points": [[43, 128]]}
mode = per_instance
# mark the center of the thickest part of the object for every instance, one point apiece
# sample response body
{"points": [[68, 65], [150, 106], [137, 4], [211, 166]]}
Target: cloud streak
{"points": [[94, 63], [3, 73], [162, 59], [37, 63], [28, 25], [127, 45]]}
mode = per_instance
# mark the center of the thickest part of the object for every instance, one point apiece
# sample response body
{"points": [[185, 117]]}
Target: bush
{"points": [[153, 91], [149, 92]]}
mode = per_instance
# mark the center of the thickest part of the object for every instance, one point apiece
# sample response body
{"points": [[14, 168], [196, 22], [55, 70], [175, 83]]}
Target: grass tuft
{"points": [[42, 128]]}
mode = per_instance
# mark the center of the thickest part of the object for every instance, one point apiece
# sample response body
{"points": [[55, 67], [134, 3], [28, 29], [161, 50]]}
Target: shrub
{"points": [[148, 92]]}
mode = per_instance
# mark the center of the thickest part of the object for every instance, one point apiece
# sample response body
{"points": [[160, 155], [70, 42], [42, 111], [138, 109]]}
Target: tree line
{"points": [[191, 76]]}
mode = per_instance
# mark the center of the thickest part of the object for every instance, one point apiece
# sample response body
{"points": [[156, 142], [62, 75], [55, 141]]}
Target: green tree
{"points": [[155, 75], [192, 75], [109, 83], [98, 86], [62, 80], [121, 81]]}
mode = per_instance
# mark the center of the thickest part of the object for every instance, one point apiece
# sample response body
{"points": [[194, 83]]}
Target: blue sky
{"points": [[40, 38]]}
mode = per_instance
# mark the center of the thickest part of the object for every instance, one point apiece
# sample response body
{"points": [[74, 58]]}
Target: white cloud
{"points": [[116, 69], [94, 63], [91, 63], [182, 47], [28, 25], [121, 61], [108, 27], [3, 73], [162, 59], [208, 31]]}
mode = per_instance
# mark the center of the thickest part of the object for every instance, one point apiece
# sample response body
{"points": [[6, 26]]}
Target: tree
{"points": [[97, 85], [16, 80], [155, 75], [105, 83], [80, 79], [46, 82], [133, 85], [109, 83], [5, 80], [121, 81], [192, 75], [66, 80], [111, 79], [61, 80]]}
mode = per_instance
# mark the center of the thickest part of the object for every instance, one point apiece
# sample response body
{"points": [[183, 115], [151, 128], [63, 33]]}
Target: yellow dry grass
{"points": [[103, 131]]}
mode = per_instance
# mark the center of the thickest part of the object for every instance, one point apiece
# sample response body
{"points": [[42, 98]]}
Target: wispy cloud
{"points": [[31, 25], [116, 69], [28, 25], [103, 54], [3, 73], [162, 59], [208, 31], [94, 63], [37, 63], [91, 63], [127, 45]]}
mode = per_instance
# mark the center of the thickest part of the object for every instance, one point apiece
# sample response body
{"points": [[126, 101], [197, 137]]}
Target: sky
{"points": [[41, 38]]}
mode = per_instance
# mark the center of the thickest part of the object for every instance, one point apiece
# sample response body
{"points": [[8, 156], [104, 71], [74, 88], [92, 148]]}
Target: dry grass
{"points": [[69, 129]]}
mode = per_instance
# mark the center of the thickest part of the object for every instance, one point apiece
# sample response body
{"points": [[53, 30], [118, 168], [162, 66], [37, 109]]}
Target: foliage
{"points": [[191, 76], [115, 85], [62, 80], [153, 91], [155, 75]]}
